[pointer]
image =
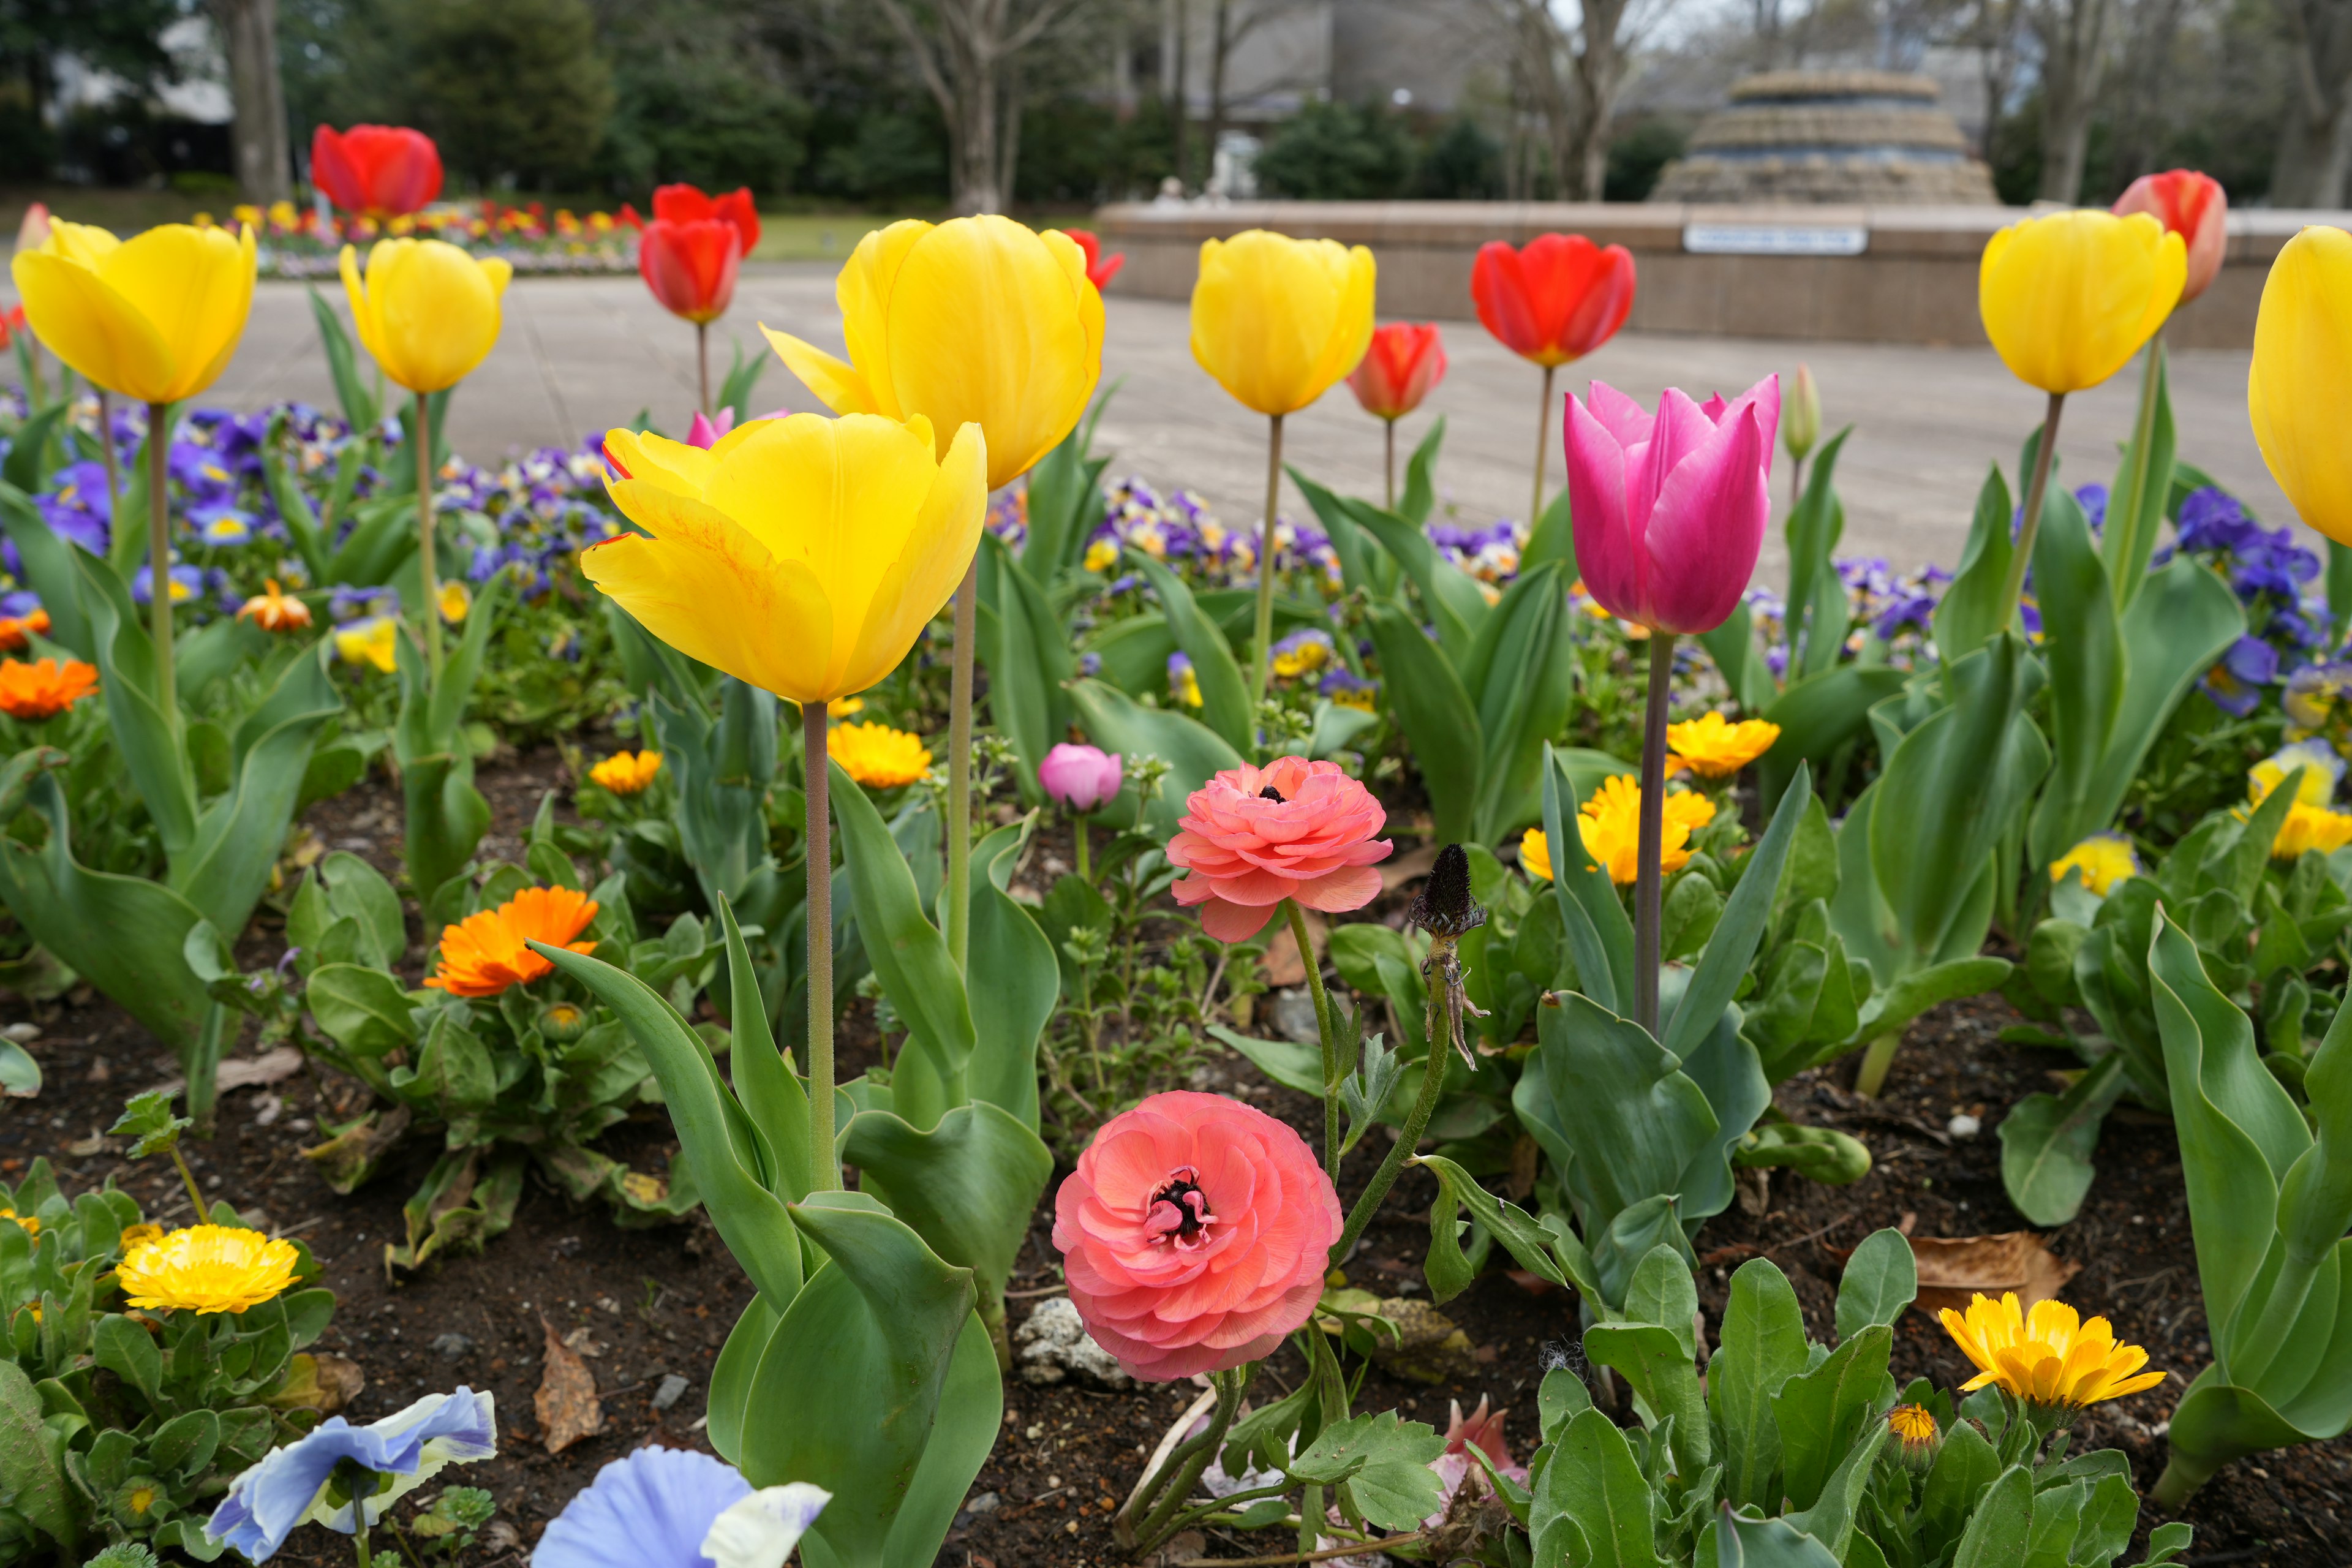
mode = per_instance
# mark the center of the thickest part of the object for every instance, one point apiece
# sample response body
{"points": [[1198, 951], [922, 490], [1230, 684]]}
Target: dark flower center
{"points": [[1272, 794], [1180, 1209]]}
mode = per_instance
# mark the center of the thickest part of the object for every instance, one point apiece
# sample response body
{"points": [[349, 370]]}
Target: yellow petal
{"points": [[2068, 299], [88, 323], [81, 242], [1276, 320], [657, 460], [195, 287], [932, 563], [2299, 390], [864, 292], [436, 309], [836, 381]]}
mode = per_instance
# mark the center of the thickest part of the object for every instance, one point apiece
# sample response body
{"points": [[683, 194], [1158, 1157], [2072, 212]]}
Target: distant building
{"points": [[1830, 136]]}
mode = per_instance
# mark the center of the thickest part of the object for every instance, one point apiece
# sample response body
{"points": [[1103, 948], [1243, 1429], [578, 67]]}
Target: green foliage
{"points": [[446, 1528], [1336, 152], [507, 87]]}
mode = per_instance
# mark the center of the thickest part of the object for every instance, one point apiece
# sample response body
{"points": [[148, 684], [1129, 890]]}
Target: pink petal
{"points": [[1707, 527], [1596, 495]]}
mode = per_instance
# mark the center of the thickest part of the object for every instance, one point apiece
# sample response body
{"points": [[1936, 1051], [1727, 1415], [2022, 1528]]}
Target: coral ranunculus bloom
{"points": [[1193, 1234], [1100, 268], [1556, 300], [2050, 1356], [275, 612], [1277, 320], [1405, 361], [2195, 207], [977, 321], [1669, 510], [2067, 298], [379, 172], [2299, 391], [483, 954], [427, 311], [155, 317], [802, 556], [1253, 836], [44, 688], [207, 1269]]}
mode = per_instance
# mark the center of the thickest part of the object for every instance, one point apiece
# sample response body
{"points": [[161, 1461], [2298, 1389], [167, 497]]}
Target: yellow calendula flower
{"points": [[877, 756], [155, 317], [427, 310], [627, 772], [1535, 854], [1610, 824], [1102, 555], [844, 706], [208, 1268], [2103, 859], [375, 641], [31, 1224], [1714, 748], [2047, 1357], [1912, 1427], [2309, 827], [138, 1236]]}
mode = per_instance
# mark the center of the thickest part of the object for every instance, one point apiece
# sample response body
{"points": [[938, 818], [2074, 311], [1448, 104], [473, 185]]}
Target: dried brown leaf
{"points": [[1952, 1269], [567, 1404]]}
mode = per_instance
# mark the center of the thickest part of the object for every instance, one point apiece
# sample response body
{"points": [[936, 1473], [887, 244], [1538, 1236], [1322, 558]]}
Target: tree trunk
{"points": [[1181, 40], [249, 38], [1219, 46], [2154, 27], [1009, 155], [1600, 68], [2315, 154], [2073, 46]]}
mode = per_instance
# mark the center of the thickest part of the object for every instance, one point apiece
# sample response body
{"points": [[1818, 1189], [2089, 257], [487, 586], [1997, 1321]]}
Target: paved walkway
{"points": [[580, 354]]}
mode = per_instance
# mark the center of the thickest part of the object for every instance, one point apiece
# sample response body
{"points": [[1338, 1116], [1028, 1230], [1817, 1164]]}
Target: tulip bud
{"points": [[1080, 778], [2191, 206], [35, 231], [2068, 299], [1800, 416]]}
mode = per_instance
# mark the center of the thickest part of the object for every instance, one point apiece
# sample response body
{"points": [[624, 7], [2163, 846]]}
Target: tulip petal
{"points": [[836, 381], [1276, 320], [2299, 388], [1621, 415], [1708, 525], [88, 323], [2068, 299], [1605, 542], [653, 459], [195, 287], [932, 562]]}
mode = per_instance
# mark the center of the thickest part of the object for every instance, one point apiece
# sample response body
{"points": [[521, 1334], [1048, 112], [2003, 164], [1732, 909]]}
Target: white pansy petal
{"points": [[760, 1531]]}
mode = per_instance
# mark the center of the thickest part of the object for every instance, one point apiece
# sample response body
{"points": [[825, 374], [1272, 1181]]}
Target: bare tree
{"points": [[965, 52], [2314, 152], [249, 38], [2145, 104], [1995, 35], [2073, 37], [1572, 75]]}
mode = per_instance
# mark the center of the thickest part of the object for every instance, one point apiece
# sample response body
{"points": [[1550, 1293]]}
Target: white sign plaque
{"points": [[1775, 239]]}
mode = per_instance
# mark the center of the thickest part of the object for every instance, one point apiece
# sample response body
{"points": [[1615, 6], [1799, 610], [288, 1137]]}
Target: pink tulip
{"points": [[705, 432], [1080, 778], [1670, 508]]}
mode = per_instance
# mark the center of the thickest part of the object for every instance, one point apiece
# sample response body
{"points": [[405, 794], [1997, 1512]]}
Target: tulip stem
{"points": [[159, 553], [106, 451], [1646, 879], [1543, 445], [423, 437], [1390, 466], [2020, 556], [824, 1174], [1264, 664], [702, 362], [957, 916]]}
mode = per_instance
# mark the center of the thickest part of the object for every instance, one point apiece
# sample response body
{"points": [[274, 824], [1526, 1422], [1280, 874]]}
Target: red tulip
{"points": [[1100, 268], [375, 171], [1404, 362], [683, 204], [1558, 299], [690, 267], [2191, 206]]}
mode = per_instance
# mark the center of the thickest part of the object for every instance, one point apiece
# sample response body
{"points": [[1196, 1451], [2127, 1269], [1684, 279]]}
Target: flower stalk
{"points": [[1150, 1516], [967, 633], [1326, 1028], [2020, 556], [1263, 669], [424, 435], [1543, 445], [159, 551], [824, 1172], [1648, 880]]}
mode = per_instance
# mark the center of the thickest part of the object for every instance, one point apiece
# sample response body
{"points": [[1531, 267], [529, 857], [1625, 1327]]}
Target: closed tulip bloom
{"points": [[1100, 268], [2299, 392], [691, 267], [428, 312], [977, 321], [155, 317], [2068, 299], [2195, 207], [1800, 416], [803, 555], [1670, 508], [1405, 361], [1276, 320], [1556, 300], [686, 204], [376, 171]]}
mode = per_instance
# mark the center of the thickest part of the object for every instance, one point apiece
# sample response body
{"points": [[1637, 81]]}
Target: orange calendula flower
{"points": [[877, 756], [483, 954], [207, 1269], [275, 612], [31, 1224], [2047, 1357], [17, 632], [1714, 748], [44, 688], [1535, 854], [1610, 824], [627, 772]]}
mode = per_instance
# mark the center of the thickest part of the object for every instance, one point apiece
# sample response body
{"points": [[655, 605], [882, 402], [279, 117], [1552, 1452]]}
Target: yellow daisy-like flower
{"points": [[2047, 1357], [877, 756], [31, 1223], [138, 1236], [2315, 761], [457, 600], [1714, 748], [208, 1268], [844, 707], [1535, 854], [627, 772], [1912, 1427], [2104, 858], [1611, 824]]}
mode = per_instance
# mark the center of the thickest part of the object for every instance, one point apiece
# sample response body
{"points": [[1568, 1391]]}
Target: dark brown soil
{"points": [[661, 1301]]}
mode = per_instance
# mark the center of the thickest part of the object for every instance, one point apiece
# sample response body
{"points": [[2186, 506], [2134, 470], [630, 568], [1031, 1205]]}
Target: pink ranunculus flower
{"points": [[1193, 1234], [1080, 778], [1670, 508], [1292, 829], [1455, 1468]]}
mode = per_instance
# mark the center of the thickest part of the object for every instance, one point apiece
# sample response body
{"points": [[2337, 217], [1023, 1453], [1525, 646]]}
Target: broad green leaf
{"points": [[1739, 662], [1521, 673], [1965, 1466], [1420, 483], [1830, 1519], [30, 1470], [968, 1188], [1760, 1347], [1383, 1461], [1881, 1280], [1745, 915], [2136, 501], [1427, 699], [1600, 936], [1450, 597], [1594, 1482], [1814, 527], [1287, 1062], [1972, 609], [2046, 1142], [1821, 1413], [1741, 1542], [1996, 1536], [1818, 717], [366, 1011], [1010, 1010], [1225, 696], [1028, 655], [2082, 646], [359, 406], [1657, 1365]]}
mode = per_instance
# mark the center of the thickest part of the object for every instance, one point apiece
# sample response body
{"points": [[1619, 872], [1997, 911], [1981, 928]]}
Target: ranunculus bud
{"points": [[1080, 778], [1801, 416]]}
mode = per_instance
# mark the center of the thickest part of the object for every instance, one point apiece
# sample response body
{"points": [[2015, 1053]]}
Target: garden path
{"points": [[583, 354]]}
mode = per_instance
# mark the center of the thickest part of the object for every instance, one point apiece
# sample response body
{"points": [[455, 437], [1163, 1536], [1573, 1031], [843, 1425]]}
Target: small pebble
{"points": [[1964, 1126], [453, 1347], [984, 1503], [673, 1389]]}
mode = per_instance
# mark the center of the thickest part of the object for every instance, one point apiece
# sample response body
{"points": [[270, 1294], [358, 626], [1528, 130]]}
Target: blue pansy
{"points": [[671, 1508], [288, 1487]]}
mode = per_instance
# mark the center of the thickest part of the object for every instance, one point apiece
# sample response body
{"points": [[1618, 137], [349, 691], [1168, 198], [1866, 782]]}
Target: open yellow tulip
{"points": [[1277, 320], [2299, 392], [2068, 299], [427, 311], [155, 318], [977, 321], [803, 555]]}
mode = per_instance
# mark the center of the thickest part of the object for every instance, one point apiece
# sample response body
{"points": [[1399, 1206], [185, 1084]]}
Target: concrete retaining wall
{"points": [[1914, 282]]}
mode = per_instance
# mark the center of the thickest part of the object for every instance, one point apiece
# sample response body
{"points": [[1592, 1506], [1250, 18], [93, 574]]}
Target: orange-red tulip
{"points": [[375, 171], [1405, 361], [1556, 300], [689, 254], [1100, 268], [2191, 206]]}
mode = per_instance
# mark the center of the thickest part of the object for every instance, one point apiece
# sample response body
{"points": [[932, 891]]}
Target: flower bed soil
{"points": [[646, 1304]]}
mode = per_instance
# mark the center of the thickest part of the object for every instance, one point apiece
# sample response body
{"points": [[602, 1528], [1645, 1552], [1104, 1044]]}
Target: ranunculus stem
{"points": [[958, 915], [1334, 1069], [1424, 1104], [702, 363], [2020, 556], [1264, 666], [1647, 882], [424, 435], [824, 1174], [158, 551], [1082, 849], [1168, 1487], [1543, 446]]}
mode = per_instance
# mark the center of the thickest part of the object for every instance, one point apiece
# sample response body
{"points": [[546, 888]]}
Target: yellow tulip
{"points": [[803, 555], [977, 321], [155, 318], [2299, 392], [427, 311], [1276, 320], [2068, 299]]}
